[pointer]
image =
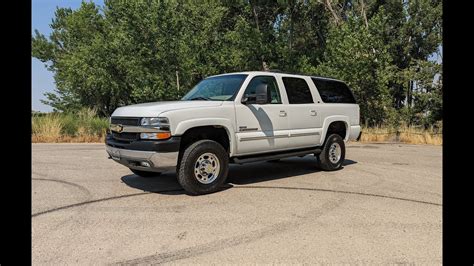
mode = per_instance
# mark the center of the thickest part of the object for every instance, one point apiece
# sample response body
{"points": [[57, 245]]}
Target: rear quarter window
{"points": [[332, 91]]}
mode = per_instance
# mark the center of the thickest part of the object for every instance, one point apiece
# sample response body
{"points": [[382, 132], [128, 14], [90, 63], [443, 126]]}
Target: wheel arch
{"points": [[335, 119], [185, 126]]}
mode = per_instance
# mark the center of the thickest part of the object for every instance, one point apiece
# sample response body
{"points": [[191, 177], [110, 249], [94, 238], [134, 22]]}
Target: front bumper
{"points": [[157, 161], [169, 145], [145, 155]]}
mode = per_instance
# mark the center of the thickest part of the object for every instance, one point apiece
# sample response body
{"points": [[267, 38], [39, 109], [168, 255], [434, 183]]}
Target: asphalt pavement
{"points": [[384, 206]]}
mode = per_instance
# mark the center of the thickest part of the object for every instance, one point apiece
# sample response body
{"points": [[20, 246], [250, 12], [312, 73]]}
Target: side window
{"points": [[272, 87], [297, 90], [332, 91]]}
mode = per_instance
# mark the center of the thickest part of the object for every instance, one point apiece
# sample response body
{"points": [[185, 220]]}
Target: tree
{"points": [[130, 52], [359, 57]]}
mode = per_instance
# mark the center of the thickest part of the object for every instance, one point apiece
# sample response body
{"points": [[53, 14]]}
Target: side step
{"points": [[274, 155]]}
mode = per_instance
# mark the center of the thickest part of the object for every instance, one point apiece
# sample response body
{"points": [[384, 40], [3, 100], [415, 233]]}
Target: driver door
{"points": [[262, 127]]}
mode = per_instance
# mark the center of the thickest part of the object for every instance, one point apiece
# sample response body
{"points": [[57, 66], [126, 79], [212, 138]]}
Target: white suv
{"points": [[235, 118]]}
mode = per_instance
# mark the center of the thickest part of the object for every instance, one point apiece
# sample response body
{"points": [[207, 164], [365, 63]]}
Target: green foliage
{"points": [[426, 107], [131, 51], [361, 58]]}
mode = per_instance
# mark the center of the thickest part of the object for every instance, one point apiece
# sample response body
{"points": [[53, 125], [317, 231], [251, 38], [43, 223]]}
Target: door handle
{"points": [[313, 112], [282, 113]]}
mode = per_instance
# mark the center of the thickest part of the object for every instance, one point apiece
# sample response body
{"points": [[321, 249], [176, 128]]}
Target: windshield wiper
{"points": [[200, 98]]}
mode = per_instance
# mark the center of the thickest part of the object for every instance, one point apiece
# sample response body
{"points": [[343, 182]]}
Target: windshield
{"points": [[221, 88]]}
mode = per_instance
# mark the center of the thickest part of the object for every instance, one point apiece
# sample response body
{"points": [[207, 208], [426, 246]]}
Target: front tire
{"points": [[144, 173], [203, 167], [333, 154]]}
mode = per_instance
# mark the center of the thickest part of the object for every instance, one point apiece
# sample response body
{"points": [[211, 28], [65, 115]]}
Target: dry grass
{"points": [[376, 135], [47, 128], [86, 127], [68, 139], [81, 127], [410, 135]]}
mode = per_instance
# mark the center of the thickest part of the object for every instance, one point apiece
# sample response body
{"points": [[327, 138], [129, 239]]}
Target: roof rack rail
{"points": [[274, 70], [284, 72], [296, 73]]}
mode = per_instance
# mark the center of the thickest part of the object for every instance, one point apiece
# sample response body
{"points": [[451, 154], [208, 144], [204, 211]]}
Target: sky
{"points": [[42, 13]]}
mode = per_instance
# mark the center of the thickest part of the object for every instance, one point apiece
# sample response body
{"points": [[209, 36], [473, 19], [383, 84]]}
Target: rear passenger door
{"points": [[303, 117]]}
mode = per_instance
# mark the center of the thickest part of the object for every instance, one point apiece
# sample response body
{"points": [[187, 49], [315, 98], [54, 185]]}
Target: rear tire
{"points": [[145, 173], [203, 167], [333, 154]]}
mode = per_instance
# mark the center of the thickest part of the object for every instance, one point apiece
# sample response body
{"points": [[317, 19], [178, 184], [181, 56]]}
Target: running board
{"points": [[273, 156]]}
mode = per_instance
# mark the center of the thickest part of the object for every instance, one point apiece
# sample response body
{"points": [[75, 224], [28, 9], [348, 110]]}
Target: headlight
{"points": [[161, 122]]}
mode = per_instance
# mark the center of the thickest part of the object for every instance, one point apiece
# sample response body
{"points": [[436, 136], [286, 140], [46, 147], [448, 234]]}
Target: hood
{"points": [[156, 108]]}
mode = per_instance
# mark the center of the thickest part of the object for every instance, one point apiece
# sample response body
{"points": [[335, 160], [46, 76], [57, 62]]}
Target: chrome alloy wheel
{"points": [[334, 153], [206, 168]]}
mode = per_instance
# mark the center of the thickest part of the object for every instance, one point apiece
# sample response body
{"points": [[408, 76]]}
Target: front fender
{"points": [[183, 126]]}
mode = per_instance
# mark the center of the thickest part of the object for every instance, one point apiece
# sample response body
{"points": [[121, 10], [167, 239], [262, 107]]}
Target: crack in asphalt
{"points": [[253, 235], [81, 188], [344, 192], [234, 186], [85, 191], [241, 238], [100, 200], [245, 238], [232, 241]]}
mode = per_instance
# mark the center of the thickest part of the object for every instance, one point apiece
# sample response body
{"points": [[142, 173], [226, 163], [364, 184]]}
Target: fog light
{"points": [[160, 135], [145, 164]]}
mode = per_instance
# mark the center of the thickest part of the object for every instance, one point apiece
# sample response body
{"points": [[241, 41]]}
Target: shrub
{"points": [[81, 126]]}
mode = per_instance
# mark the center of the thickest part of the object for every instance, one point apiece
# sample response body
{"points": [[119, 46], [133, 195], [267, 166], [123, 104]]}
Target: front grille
{"points": [[127, 121], [126, 136]]}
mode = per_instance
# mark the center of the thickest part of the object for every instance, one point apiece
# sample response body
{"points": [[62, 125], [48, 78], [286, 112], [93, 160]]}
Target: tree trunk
{"points": [[255, 15], [177, 80], [362, 7], [329, 6]]}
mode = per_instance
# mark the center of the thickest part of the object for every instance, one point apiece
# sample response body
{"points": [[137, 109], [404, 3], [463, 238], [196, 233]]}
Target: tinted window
{"points": [[333, 91], [297, 90], [272, 87]]}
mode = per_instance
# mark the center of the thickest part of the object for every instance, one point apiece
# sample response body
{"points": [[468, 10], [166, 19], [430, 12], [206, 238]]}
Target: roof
{"points": [[275, 72]]}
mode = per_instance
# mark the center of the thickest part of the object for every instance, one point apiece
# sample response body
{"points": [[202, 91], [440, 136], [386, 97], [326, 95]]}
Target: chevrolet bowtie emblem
{"points": [[116, 128]]}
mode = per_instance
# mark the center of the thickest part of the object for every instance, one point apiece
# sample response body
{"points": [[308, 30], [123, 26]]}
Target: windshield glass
{"points": [[221, 88]]}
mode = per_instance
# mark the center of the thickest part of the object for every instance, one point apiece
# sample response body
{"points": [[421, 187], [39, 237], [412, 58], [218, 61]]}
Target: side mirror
{"points": [[261, 94]]}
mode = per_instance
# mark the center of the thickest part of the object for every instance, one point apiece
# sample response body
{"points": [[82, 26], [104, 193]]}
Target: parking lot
{"points": [[384, 206]]}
